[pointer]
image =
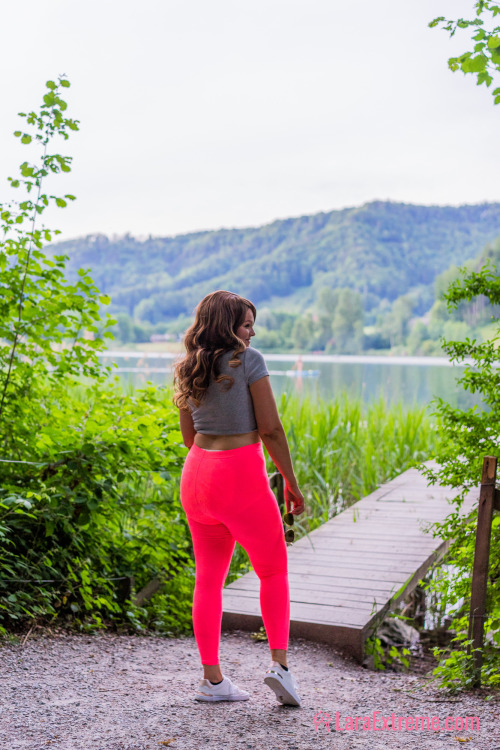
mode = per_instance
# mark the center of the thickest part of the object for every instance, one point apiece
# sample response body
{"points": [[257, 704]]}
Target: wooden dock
{"points": [[347, 574]]}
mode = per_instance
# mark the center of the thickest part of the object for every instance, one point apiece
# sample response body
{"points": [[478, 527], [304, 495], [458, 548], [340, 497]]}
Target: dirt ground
{"points": [[125, 692]]}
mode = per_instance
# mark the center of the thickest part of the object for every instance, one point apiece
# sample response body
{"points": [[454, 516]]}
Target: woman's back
{"points": [[230, 411]]}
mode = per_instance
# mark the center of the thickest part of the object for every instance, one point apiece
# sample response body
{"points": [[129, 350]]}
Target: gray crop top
{"points": [[230, 412]]}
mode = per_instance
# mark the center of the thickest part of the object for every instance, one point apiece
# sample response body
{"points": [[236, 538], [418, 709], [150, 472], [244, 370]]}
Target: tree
{"points": [[303, 332], [483, 60], [469, 435], [327, 299], [347, 325], [397, 321], [466, 436], [43, 318]]}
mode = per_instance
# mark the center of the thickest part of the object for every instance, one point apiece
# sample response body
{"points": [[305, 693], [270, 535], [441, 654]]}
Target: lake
{"points": [[409, 379]]}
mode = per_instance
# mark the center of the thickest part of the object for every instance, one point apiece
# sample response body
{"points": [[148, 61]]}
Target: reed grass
{"points": [[343, 449]]}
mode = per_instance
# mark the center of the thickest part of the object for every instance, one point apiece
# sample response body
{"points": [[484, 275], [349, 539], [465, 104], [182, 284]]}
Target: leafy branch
{"points": [[484, 59], [39, 311]]}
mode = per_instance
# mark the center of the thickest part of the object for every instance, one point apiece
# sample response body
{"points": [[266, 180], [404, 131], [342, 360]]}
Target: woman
{"points": [[227, 409]]}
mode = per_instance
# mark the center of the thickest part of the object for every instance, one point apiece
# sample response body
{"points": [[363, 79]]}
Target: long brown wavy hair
{"points": [[218, 317]]}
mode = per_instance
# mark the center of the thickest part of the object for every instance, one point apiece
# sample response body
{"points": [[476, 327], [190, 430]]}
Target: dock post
{"points": [[481, 561]]}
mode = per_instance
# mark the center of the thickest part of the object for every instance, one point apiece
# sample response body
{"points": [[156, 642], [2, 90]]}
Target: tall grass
{"points": [[343, 449]]}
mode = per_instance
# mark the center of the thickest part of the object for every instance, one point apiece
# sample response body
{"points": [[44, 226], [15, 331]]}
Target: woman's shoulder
{"points": [[255, 365], [253, 355]]}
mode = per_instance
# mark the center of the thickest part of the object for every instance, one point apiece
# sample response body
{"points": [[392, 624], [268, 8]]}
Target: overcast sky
{"points": [[202, 114]]}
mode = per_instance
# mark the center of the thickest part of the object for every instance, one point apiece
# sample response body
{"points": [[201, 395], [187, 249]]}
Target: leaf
{"points": [[51, 85], [26, 139], [493, 42], [474, 64]]}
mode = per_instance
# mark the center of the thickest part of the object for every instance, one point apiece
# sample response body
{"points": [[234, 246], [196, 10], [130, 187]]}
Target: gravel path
{"points": [[121, 692]]}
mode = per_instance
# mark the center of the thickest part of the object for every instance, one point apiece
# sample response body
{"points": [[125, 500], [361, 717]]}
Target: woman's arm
{"points": [[274, 438], [187, 427]]}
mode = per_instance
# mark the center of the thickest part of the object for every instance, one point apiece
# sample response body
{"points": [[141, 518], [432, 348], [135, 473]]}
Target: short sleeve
{"points": [[255, 366]]}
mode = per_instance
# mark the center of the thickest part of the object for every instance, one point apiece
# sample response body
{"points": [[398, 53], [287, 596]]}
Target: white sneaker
{"points": [[224, 691], [283, 683]]}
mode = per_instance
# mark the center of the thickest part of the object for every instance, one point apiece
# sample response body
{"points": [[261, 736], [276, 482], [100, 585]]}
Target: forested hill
{"points": [[382, 249]]}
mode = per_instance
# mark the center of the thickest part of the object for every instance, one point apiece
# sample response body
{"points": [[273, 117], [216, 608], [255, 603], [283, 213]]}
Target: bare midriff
{"points": [[226, 442]]}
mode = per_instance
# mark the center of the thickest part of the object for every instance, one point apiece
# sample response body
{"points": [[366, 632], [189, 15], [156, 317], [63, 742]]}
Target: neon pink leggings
{"points": [[227, 499]]}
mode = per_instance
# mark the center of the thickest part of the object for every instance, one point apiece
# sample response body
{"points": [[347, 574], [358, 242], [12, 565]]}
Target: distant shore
{"points": [[170, 350]]}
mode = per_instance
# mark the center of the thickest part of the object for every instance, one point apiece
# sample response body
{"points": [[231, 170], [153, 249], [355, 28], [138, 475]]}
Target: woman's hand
{"points": [[294, 497]]}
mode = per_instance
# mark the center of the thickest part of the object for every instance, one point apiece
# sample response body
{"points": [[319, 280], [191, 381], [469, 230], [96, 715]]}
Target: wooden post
{"points": [[124, 588], [487, 502], [154, 585]]}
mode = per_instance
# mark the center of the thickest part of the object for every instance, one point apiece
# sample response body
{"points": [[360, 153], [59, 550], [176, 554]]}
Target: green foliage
{"points": [[466, 437], [383, 658], [454, 672], [87, 474], [396, 323], [347, 322], [483, 60], [98, 500]]}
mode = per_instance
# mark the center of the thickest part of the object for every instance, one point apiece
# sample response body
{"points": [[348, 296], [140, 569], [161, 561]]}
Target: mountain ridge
{"points": [[383, 249]]}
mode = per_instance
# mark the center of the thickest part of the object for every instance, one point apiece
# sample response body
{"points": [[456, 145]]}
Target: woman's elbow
{"points": [[188, 441], [270, 431]]}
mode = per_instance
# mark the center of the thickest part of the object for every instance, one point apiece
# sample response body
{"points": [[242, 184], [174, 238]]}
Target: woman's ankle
{"points": [[279, 655], [212, 672]]}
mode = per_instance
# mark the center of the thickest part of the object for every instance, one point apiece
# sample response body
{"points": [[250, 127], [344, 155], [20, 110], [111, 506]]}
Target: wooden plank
{"points": [[297, 586], [348, 538], [312, 542], [375, 557], [359, 565], [320, 613], [353, 573], [327, 581], [353, 554], [322, 597], [396, 516], [365, 546], [373, 524], [305, 596]]}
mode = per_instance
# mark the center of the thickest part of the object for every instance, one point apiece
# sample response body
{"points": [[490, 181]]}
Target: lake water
{"points": [[409, 379]]}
